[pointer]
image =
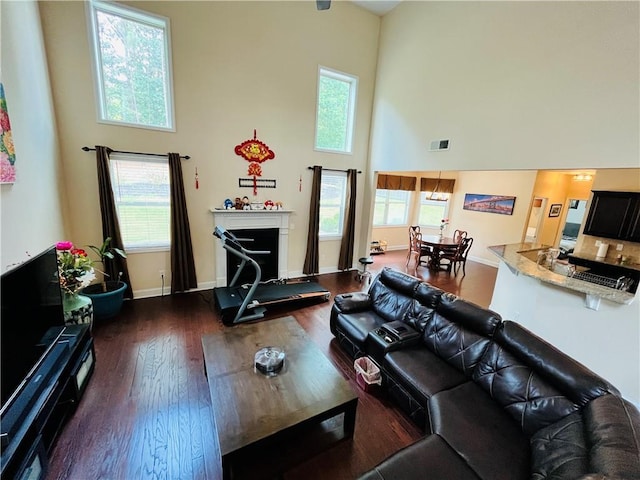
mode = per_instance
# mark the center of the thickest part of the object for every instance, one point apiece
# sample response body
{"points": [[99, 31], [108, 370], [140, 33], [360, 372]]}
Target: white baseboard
{"points": [[484, 261], [158, 292]]}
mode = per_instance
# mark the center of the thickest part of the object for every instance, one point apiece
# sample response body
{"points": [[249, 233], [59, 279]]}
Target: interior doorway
{"points": [[534, 225], [574, 216]]}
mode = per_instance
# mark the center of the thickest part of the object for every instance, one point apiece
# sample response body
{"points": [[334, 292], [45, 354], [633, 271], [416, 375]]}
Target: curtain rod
{"points": [[186, 157], [332, 169]]}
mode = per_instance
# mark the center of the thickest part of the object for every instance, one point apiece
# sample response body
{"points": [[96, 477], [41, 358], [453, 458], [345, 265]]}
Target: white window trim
{"points": [[140, 16], [353, 80]]}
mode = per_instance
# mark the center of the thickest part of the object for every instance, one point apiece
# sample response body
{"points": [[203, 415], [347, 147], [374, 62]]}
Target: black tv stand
{"points": [[36, 416]]}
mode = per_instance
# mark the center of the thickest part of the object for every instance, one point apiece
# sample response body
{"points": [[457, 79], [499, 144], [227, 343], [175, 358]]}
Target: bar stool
{"points": [[364, 261]]}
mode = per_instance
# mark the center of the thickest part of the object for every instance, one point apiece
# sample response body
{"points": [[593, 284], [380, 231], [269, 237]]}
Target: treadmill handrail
{"points": [[257, 252]]}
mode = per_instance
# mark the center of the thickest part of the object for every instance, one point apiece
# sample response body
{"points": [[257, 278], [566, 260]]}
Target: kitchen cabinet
{"points": [[614, 215]]}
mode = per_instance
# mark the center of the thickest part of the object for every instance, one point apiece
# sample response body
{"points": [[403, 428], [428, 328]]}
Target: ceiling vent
{"points": [[437, 145]]}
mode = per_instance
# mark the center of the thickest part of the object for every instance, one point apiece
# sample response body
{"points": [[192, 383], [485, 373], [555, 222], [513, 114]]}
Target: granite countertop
{"points": [[515, 257]]}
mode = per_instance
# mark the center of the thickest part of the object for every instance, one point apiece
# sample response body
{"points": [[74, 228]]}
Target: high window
{"points": [[333, 194], [391, 207], [141, 190], [335, 110], [132, 62]]}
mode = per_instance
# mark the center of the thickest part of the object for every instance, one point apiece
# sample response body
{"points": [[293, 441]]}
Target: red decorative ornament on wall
{"points": [[255, 152]]}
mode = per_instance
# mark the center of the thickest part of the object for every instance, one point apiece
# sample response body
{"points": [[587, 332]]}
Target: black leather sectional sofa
{"points": [[495, 401]]}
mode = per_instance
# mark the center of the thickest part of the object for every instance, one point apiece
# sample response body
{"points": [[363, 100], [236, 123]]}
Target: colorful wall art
{"points": [[489, 203], [7, 152]]}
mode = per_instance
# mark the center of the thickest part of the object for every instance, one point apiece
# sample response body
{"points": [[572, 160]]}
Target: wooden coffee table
{"points": [[253, 411]]}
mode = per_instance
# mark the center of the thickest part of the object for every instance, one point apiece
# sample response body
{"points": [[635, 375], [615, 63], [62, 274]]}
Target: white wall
{"points": [[514, 85], [237, 66], [32, 208]]}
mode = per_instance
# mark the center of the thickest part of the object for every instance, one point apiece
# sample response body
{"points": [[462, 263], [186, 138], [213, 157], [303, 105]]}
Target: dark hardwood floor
{"points": [[146, 412]]}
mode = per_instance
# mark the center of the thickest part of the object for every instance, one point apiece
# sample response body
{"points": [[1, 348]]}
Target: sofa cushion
{"points": [[401, 282], [426, 299], [392, 294], [559, 451], [531, 401], [612, 427], [570, 377], [429, 458], [469, 315], [455, 344], [420, 374], [481, 432]]}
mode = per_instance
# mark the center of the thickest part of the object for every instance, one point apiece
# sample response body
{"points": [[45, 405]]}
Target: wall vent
{"points": [[437, 145]]}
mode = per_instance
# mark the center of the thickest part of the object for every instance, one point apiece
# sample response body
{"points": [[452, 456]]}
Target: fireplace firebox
{"points": [[264, 239]]}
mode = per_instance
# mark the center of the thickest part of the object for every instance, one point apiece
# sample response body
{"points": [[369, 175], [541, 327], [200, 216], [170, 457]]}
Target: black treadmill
{"points": [[243, 303]]}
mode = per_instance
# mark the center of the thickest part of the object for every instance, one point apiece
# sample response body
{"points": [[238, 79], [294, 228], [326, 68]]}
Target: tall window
{"points": [[335, 110], [143, 200], [333, 194], [391, 207], [432, 211], [132, 61]]}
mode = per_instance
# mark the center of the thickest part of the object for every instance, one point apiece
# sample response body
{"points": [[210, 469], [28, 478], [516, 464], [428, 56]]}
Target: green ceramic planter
{"points": [[106, 304]]}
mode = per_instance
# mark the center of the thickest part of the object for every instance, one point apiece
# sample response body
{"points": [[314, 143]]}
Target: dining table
{"points": [[437, 244]]}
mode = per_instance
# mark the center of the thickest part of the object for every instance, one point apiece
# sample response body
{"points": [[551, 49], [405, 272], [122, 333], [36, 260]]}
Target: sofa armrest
{"points": [[352, 302], [379, 342]]}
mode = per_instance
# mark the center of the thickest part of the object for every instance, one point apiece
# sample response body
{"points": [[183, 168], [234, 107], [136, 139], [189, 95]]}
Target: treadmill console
{"points": [[227, 238]]}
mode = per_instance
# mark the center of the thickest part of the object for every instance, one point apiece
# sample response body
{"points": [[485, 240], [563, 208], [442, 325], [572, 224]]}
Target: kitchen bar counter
{"points": [[515, 257]]}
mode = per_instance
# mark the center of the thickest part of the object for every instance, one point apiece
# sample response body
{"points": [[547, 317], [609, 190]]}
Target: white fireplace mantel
{"points": [[251, 219]]}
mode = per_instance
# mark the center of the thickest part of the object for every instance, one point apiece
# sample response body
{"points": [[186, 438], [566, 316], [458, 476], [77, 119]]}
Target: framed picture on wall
{"points": [[489, 203], [554, 211]]}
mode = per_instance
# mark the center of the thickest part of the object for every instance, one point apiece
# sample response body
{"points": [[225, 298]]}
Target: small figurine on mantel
{"points": [[238, 203], [246, 204]]}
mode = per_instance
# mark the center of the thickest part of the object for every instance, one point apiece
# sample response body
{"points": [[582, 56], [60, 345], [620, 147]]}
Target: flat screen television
{"points": [[32, 319]]}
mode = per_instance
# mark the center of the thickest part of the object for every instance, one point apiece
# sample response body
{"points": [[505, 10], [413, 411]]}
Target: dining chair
{"points": [[459, 256], [459, 235], [417, 249], [413, 229]]}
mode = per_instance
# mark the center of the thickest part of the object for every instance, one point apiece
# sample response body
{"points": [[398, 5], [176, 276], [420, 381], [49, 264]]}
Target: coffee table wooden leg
{"points": [[350, 418]]}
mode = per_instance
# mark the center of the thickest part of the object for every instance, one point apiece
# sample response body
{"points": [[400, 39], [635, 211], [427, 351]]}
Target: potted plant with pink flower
{"points": [[75, 272]]}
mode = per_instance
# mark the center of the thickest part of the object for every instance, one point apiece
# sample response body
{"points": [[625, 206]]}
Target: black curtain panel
{"points": [[109, 215], [312, 259], [345, 260], [183, 269]]}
